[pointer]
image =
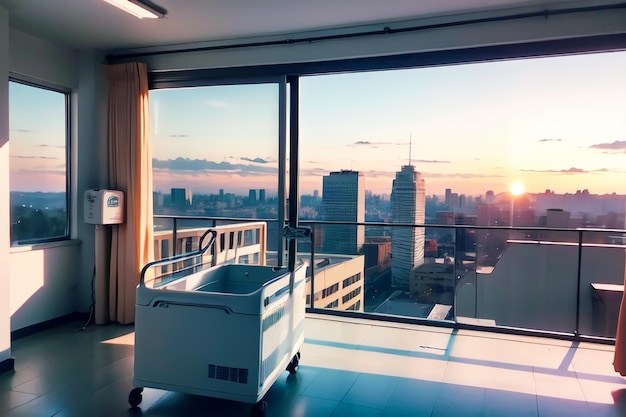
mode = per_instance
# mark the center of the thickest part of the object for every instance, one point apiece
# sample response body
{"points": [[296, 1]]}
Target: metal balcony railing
{"points": [[554, 281]]}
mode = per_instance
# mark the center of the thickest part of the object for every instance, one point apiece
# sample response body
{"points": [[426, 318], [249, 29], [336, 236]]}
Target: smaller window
{"points": [[38, 163]]}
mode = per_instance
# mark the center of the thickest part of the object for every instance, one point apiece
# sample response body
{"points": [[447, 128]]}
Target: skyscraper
{"points": [[252, 196], [408, 205], [181, 197], [343, 200]]}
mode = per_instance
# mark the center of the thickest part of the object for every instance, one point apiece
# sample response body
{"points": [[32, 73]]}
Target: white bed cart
{"points": [[226, 331]]}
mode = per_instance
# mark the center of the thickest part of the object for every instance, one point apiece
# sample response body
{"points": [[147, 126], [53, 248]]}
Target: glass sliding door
{"points": [[456, 192], [217, 153]]}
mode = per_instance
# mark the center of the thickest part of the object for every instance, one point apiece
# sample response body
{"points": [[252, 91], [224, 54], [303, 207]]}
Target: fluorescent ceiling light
{"points": [[139, 8]]}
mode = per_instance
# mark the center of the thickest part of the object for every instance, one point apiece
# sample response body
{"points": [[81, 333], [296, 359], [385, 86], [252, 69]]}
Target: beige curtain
{"points": [[619, 361], [130, 170]]}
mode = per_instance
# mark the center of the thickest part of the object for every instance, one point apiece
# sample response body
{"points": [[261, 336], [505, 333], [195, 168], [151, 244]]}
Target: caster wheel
{"points": [[293, 365], [259, 409], [135, 397]]}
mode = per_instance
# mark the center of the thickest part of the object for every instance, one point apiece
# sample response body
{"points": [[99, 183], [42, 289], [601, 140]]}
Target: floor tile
{"points": [[331, 384], [372, 391], [490, 376], [351, 410], [11, 399], [305, 406], [412, 398], [557, 407], [510, 404], [459, 401], [335, 331]]}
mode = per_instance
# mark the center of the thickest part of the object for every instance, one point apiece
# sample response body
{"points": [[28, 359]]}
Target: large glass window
{"points": [[518, 144], [38, 134], [471, 192], [215, 155]]}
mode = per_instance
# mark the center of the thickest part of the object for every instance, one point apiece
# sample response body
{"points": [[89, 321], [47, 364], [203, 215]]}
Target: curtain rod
{"points": [[385, 31]]}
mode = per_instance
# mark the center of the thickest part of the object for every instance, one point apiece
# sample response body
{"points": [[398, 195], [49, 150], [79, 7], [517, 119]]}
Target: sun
{"points": [[517, 188]]}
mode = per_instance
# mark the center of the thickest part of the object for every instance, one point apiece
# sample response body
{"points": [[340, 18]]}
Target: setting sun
{"points": [[517, 188]]}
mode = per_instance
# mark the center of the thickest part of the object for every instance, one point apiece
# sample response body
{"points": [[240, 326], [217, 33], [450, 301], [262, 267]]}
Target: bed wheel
{"points": [[293, 365], [259, 409], [135, 397]]}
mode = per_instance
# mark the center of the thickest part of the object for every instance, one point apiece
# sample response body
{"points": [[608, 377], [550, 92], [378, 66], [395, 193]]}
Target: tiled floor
{"points": [[349, 368]]}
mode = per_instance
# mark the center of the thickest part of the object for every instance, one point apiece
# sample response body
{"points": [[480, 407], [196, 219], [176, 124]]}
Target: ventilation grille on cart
{"points": [[225, 373]]}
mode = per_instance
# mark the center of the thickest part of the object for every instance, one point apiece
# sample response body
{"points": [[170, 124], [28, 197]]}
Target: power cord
{"points": [[93, 303]]}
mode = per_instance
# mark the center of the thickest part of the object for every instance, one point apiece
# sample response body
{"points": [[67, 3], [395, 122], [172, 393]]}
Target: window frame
{"points": [[67, 93]]}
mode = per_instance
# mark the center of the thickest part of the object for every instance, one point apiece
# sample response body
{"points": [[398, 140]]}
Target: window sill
{"points": [[45, 245]]}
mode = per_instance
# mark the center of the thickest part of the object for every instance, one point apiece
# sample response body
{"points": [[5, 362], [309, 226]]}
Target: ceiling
{"points": [[96, 24]]}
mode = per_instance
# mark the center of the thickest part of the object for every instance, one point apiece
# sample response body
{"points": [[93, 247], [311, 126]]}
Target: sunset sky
{"points": [[37, 139], [554, 123], [551, 123]]}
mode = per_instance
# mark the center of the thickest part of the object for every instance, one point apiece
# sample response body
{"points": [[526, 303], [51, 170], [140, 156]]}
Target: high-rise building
{"points": [[157, 201], [262, 195], [252, 196], [181, 197], [343, 200], [408, 205]]}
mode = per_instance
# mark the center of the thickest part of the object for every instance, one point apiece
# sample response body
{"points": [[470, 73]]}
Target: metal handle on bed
{"points": [[293, 234], [202, 249]]}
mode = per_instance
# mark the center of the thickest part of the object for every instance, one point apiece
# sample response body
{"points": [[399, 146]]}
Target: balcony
{"points": [[349, 367]]}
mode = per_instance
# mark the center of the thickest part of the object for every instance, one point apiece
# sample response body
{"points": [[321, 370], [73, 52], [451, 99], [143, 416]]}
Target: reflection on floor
{"points": [[349, 368]]}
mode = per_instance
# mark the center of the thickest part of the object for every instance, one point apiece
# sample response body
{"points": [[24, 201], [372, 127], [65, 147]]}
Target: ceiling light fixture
{"points": [[140, 8]]}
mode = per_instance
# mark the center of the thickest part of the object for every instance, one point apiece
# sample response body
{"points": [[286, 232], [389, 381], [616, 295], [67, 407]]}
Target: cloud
{"points": [[179, 136], [22, 130], [313, 172], [374, 174], [257, 160], [462, 175], [551, 140], [430, 161], [572, 170], [199, 165], [32, 157], [618, 146], [52, 146], [367, 143]]}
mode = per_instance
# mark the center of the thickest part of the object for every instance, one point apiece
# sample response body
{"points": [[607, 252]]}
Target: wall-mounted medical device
{"points": [[104, 206]]}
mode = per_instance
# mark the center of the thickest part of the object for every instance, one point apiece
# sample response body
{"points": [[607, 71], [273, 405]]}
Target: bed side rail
{"points": [[178, 266]]}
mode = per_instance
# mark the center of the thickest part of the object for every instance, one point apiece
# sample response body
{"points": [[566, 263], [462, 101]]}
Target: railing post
{"points": [[313, 264], [174, 240], [580, 258]]}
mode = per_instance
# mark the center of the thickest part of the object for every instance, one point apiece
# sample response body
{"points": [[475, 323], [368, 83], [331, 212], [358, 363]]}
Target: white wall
{"points": [[39, 59], [44, 278], [43, 283], [91, 154], [5, 330], [483, 34]]}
